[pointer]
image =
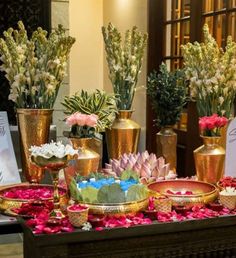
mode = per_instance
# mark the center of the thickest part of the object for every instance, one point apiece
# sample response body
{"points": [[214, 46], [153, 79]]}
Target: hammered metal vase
{"points": [[87, 161], [34, 129], [209, 160], [123, 137], [166, 141]]}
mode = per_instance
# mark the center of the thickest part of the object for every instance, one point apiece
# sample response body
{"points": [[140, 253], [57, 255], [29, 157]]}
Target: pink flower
{"points": [[92, 120], [82, 119]]}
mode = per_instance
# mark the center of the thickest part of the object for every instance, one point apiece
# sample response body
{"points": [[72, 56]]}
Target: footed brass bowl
{"points": [[9, 203], [202, 193], [117, 208]]}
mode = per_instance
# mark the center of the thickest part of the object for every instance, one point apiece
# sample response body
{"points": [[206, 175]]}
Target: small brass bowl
{"points": [[203, 193], [117, 208], [9, 203]]}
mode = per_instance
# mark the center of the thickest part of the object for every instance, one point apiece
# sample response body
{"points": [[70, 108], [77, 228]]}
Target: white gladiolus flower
{"points": [[221, 100]]}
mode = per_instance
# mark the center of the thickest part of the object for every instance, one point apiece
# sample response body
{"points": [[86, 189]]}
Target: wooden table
{"points": [[215, 237]]}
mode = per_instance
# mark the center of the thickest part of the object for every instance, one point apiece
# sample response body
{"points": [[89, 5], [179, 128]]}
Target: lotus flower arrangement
{"points": [[144, 164]]}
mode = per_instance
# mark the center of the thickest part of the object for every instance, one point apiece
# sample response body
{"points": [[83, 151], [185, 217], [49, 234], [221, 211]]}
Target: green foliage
{"points": [[136, 192], [89, 194], [95, 175], [129, 174], [99, 103], [111, 194], [74, 192], [167, 91]]}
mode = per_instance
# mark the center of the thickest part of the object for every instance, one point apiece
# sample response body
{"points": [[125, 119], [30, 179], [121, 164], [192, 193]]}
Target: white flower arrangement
{"points": [[228, 191], [124, 60], [34, 67], [211, 73], [53, 149]]}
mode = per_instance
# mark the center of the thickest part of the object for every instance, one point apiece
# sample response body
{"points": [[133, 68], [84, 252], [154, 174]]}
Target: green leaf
{"points": [[129, 174], [111, 194], [89, 195], [136, 192], [74, 192]]}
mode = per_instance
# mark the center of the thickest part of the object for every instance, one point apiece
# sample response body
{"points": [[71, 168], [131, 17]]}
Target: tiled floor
{"points": [[11, 246]]}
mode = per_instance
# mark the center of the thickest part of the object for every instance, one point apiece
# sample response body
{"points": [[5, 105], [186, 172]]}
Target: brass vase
{"points": [[209, 160], [34, 129], [123, 137], [166, 140], [87, 161]]}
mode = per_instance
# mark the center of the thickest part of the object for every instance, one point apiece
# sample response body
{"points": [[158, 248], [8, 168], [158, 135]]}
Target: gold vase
{"points": [[166, 141], [209, 160], [123, 137], [87, 161], [34, 128]]}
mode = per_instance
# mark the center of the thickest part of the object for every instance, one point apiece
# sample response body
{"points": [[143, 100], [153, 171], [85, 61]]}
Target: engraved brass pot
{"points": [[123, 137], [166, 141], [87, 161], [209, 160], [34, 128]]}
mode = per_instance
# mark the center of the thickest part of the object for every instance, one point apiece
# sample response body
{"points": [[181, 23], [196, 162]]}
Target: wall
{"points": [[83, 20], [60, 15], [86, 59], [124, 14]]}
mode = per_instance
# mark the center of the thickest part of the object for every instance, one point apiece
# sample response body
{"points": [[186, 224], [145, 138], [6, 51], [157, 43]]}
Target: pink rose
{"points": [[81, 119], [71, 120], [92, 120]]}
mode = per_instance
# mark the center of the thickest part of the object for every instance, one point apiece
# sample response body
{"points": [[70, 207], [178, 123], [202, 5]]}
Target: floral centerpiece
{"points": [[211, 73], [124, 60], [209, 158], [82, 125], [167, 91], [36, 66], [210, 125], [53, 156], [98, 103]]}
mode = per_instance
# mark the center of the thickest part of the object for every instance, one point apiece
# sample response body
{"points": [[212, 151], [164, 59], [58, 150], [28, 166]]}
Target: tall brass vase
{"points": [[123, 137], [166, 141], [34, 128], [87, 161], [209, 160]]}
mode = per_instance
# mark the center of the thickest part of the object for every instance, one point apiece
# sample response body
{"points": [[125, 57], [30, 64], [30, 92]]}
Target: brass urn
{"points": [[123, 137], [166, 140], [209, 160], [87, 161], [34, 129]]}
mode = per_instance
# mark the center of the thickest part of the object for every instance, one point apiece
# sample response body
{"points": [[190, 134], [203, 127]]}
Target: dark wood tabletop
{"points": [[214, 237]]}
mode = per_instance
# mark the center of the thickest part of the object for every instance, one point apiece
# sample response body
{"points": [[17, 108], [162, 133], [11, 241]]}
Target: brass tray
{"points": [[203, 193], [117, 208], [9, 203]]}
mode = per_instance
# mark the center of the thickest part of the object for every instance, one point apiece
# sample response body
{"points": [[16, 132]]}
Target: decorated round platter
{"points": [[185, 192], [14, 196]]}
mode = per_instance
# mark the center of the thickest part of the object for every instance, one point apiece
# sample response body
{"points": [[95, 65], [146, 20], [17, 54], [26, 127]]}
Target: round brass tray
{"points": [[117, 208], [9, 203], [203, 193]]}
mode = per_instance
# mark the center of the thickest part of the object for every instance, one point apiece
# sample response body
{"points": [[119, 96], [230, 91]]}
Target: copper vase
{"points": [[87, 161], [34, 129], [209, 160], [166, 141], [123, 137]]}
